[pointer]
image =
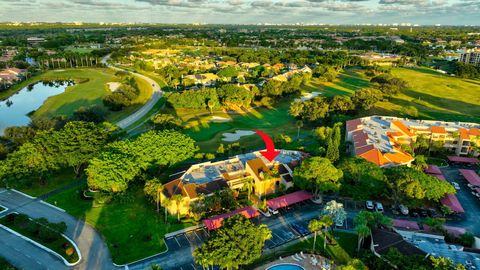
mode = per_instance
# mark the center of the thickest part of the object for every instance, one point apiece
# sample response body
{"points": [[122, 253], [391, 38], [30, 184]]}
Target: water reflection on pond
{"points": [[14, 111]]}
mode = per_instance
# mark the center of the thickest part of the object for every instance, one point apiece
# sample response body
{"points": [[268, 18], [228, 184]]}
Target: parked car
{"points": [[424, 213], [369, 205], [403, 209], [378, 207], [456, 185], [272, 211], [414, 213], [300, 229]]}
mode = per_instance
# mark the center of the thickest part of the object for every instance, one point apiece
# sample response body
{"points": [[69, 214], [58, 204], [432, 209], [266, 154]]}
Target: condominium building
{"points": [[379, 139], [471, 57], [204, 179]]}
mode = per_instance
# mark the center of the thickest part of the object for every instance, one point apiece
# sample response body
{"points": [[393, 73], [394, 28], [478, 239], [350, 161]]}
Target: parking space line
{"points": [[193, 266], [177, 241], [197, 236]]}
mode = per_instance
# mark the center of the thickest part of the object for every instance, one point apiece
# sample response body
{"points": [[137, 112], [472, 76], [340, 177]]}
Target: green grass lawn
{"points": [[81, 94], [208, 134], [130, 226], [435, 95], [341, 253], [57, 180], [84, 94]]}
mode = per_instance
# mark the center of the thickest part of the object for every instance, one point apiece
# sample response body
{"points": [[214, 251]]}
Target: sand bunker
{"points": [[219, 119], [308, 96], [113, 86], [233, 137]]}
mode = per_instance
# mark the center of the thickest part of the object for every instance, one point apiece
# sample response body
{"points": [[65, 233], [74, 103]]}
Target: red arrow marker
{"points": [[271, 153]]}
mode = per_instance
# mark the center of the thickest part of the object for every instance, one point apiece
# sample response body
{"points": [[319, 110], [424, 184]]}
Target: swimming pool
{"points": [[286, 266]]}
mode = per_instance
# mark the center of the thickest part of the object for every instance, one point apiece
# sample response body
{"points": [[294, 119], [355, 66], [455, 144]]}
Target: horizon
{"points": [[246, 12]]}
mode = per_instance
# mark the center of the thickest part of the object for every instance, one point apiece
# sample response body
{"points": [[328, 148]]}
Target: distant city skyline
{"points": [[424, 12]]}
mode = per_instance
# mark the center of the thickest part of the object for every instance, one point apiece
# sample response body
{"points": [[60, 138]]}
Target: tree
{"points": [[361, 179], [317, 174], [153, 188], [123, 161], [314, 226], [409, 183], [299, 125], [325, 223], [335, 211], [177, 198], [362, 231], [211, 104], [296, 108], [366, 98], [248, 185], [165, 121], [238, 242]]}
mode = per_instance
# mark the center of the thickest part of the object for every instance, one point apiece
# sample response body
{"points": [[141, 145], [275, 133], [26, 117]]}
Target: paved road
{"points": [[95, 254], [156, 95], [25, 255]]}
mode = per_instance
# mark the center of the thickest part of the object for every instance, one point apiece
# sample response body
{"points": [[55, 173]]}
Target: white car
{"points": [[369, 205], [456, 185], [272, 211], [403, 209], [378, 207]]}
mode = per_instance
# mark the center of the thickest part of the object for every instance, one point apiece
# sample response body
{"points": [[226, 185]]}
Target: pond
{"points": [[15, 110]]}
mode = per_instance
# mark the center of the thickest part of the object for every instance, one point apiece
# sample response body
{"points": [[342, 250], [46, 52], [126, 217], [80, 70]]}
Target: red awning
{"points": [[289, 199], [452, 202], [468, 160], [215, 222], [471, 176], [433, 169], [406, 224]]}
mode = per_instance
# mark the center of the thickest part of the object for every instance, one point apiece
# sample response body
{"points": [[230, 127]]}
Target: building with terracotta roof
{"points": [[379, 139], [204, 179]]}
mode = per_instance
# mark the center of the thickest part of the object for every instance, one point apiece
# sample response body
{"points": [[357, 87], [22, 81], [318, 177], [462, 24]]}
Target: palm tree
{"points": [[166, 203], [326, 222], [211, 103], [154, 188], [155, 267], [363, 231], [178, 199], [299, 125], [314, 226], [248, 185]]}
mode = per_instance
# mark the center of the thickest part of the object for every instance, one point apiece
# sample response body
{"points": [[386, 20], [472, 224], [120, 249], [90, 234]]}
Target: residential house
{"points": [[379, 139], [206, 178]]}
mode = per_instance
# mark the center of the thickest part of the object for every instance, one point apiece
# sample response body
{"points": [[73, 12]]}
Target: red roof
{"points": [[457, 231], [433, 169], [353, 124], [451, 201], [289, 199], [471, 176], [405, 224], [463, 159], [215, 222]]}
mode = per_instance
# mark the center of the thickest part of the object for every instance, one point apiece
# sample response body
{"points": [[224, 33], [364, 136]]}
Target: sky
{"points": [[423, 12]]}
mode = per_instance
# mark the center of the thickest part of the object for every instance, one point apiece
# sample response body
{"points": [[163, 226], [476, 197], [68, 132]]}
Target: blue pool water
{"points": [[285, 266]]}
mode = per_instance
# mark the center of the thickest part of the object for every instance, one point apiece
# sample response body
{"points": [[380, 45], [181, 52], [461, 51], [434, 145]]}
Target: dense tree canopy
{"points": [[317, 174], [361, 179], [122, 161], [408, 183], [238, 242]]}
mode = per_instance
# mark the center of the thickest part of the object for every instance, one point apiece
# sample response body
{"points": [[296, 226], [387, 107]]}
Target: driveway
{"points": [[156, 95], [95, 254]]}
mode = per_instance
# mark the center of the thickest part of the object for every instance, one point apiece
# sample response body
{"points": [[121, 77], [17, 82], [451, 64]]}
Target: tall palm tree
{"points": [[248, 185], [166, 203], [299, 125], [363, 231], [178, 199], [314, 226], [326, 222], [155, 187]]}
